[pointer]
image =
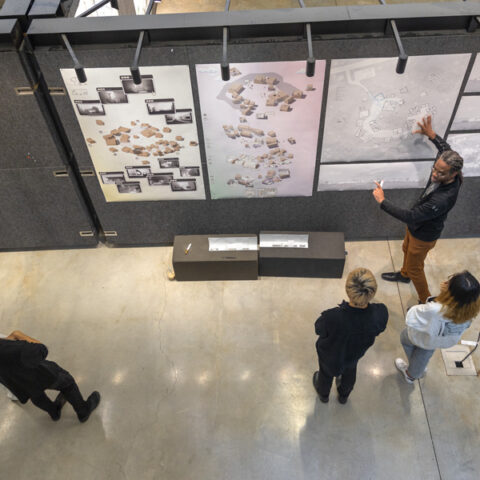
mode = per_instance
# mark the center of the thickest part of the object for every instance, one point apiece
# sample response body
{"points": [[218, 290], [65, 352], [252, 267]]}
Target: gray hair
{"points": [[453, 160]]}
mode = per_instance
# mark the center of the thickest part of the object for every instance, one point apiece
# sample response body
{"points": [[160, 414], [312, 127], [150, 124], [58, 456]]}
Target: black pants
{"points": [[66, 384], [345, 383]]}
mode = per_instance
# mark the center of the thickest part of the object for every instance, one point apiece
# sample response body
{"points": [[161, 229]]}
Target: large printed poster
{"points": [[261, 128], [372, 111], [143, 138]]}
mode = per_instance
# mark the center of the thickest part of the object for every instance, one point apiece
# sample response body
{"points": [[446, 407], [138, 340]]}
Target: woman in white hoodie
{"points": [[439, 323]]}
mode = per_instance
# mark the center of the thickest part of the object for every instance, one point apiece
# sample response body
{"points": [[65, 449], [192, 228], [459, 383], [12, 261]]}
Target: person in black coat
{"points": [[25, 371], [426, 218], [345, 333]]}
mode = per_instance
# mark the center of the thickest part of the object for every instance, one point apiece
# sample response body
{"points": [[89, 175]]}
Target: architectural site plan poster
{"points": [[143, 138], [372, 111], [261, 128]]}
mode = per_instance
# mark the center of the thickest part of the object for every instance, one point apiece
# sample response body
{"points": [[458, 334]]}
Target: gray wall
{"points": [[354, 212]]}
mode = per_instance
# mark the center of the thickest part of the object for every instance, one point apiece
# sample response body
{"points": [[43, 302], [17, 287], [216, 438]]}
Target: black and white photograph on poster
{"points": [[140, 147], [189, 171], [112, 95], [169, 162], [160, 106], [109, 178], [160, 179], [181, 115], [90, 107], [138, 172], [130, 87], [183, 185], [129, 187]]}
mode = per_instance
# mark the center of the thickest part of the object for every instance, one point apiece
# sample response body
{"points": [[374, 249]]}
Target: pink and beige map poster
{"points": [[261, 128], [142, 138]]}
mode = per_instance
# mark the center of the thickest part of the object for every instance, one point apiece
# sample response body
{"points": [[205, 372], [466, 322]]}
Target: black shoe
{"points": [[323, 399], [92, 403], [59, 402], [342, 400], [395, 277]]}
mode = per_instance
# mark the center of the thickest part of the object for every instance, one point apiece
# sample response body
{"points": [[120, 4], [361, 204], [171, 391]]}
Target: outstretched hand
{"points": [[426, 127], [378, 193]]}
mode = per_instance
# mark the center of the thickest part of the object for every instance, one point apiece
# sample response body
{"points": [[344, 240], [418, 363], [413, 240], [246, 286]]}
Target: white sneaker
{"points": [[402, 368]]}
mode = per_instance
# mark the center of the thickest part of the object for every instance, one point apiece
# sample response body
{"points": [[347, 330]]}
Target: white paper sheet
{"points": [[227, 244], [278, 240]]}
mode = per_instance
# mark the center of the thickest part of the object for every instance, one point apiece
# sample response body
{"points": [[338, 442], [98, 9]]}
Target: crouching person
{"points": [[345, 334]]}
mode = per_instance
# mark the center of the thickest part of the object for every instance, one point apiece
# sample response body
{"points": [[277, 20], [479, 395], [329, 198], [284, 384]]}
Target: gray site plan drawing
{"points": [[468, 146], [362, 176], [473, 84], [468, 114], [372, 111]]}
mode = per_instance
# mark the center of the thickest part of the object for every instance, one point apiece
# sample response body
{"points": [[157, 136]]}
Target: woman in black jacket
{"points": [[345, 334]]}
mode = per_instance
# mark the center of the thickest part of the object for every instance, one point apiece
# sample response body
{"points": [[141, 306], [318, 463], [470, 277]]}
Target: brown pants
{"points": [[414, 253]]}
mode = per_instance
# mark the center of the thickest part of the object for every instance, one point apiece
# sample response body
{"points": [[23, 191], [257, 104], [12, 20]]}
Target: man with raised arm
{"points": [[426, 218]]}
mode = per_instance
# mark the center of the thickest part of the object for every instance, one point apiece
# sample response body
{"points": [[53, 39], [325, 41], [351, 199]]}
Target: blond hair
{"points": [[361, 286]]}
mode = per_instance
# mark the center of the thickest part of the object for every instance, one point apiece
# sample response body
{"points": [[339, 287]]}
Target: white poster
{"points": [[468, 114], [142, 139], [473, 84], [468, 146], [372, 111], [362, 176], [261, 128]]}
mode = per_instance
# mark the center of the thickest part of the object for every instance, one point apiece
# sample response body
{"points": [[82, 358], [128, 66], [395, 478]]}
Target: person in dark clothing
{"points": [[425, 220], [25, 371], [345, 333]]}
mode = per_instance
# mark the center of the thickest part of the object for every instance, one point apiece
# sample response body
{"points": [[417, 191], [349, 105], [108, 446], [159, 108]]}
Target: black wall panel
{"points": [[40, 210], [354, 212], [26, 139]]}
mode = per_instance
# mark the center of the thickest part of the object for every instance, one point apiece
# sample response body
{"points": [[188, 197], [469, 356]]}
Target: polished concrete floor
{"points": [[212, 380], [184, 6]]}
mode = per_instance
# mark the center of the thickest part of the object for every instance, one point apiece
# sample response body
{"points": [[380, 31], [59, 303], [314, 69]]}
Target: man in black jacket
{"points": [[425, 220], [346, 333], [25, 371]]}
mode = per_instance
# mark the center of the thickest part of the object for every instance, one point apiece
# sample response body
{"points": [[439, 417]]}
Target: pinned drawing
{"points": [[261, 128], [130, 135], [362, 176], [372, 111]]}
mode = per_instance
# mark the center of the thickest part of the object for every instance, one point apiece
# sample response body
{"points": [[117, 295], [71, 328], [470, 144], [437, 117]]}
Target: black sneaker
{"points": [[395, 277], [342, 400], [59, 402], [323, 399], [92, 403]]}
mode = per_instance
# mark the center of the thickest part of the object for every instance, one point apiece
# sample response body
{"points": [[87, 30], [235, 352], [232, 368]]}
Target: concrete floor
{"points": [[185, 6], [212, 380]]}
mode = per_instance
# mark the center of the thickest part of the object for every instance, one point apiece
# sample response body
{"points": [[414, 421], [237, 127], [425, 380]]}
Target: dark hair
{"points": [[454, 161], [461, 301], [464, 288]]}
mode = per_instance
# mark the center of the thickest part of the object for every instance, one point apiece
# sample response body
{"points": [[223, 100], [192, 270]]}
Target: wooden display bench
{"points": [[324, 257], [201, 264]]}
